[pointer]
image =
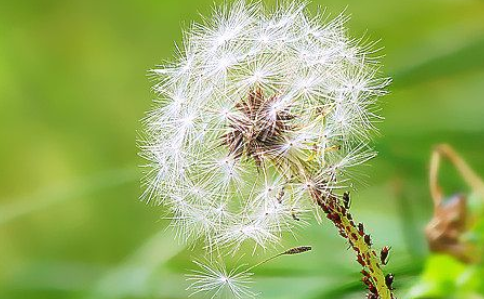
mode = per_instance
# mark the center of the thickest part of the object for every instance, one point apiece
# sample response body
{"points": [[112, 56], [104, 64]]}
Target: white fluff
{"points": [[317, 72]]}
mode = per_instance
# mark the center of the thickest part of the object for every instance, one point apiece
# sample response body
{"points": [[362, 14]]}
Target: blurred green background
{"points": [[73, 87]]}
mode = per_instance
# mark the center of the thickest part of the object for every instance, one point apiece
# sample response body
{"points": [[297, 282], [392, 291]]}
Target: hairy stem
{"points": [[336, 210]]}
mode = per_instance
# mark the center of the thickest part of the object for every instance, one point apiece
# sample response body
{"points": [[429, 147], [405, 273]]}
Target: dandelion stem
{"points": [[378, 284], [337, 211]]}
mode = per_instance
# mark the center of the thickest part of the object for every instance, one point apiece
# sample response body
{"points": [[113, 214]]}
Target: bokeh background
{"points": [[74, 85]]}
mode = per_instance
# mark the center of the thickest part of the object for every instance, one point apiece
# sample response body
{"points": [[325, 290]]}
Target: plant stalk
{"points": [[337, 211]]}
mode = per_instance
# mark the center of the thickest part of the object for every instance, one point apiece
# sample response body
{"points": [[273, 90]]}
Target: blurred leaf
{"points": [[56, 194]]}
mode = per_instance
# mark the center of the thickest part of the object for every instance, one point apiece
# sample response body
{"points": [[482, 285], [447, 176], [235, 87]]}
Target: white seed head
{"points": [[254, 94]]}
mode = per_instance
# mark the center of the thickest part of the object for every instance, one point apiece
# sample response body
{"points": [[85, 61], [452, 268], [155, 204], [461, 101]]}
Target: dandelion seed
{"points": [[214, 279]]}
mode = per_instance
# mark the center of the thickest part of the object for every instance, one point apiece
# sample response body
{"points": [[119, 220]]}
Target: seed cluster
{"points": [[259, 129], [253, 85], [261, 106]]}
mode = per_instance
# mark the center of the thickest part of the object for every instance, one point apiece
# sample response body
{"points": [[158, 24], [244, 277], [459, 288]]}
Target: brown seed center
{"points": [[259, 130]]}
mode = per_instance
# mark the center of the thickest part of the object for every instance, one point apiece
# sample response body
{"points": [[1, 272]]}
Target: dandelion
{"points": [[259, 121]]}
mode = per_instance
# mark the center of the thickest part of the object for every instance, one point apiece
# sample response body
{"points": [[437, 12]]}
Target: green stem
{"points": [[378, 284]]}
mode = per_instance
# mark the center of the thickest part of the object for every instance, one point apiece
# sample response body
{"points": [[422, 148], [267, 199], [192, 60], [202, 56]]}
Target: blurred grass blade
{"points": [[60, 193], [449, 63], [132, 277]]}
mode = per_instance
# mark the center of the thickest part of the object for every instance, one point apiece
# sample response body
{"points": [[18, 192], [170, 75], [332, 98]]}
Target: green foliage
{"points": [[446, 277]]}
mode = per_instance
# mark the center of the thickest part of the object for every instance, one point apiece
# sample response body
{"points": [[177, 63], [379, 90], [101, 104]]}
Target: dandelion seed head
{"points": [[254, 94]]}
